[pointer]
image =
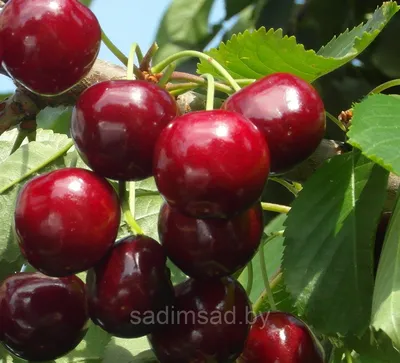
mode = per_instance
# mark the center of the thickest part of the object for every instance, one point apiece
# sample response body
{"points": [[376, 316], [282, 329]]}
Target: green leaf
{"points": [[273, 252], [232, 7], [184, 26], [57, 119], [329, 235], [375, 130], [129, 351], [386, 300], [257, 54]]}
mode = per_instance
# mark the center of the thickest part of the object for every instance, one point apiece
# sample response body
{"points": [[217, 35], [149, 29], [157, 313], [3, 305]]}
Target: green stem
{"points": [[132, 70], [210, 92], [264, 274], [250, 277], [289, 186], [258, 305], [22, 134], [167, 75], [193, 53], [278, 208], [385, 86], [349, 358], [146, 60], [126, 211], [336, 121], [113, 48], [139, 54]]}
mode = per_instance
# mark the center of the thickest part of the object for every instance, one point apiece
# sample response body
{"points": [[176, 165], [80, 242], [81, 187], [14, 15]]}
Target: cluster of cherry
{"points": [[210, 167]]}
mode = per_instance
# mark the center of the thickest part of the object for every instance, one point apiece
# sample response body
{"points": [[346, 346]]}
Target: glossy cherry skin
{"points": [[288, 111], [278, 337], [204, 248], [380, 238], [115, 125], [42, 317], [211, 164], [66, 220], [51, 44], [209, 323], [130, 282]]}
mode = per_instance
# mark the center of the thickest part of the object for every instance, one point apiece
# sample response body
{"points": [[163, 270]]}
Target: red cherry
{"points": [[199, 246], [132, 281], [42, 317], [115, 126], [278, 337], [66, 220], [51, 44], [288, 111], [211, 163], [209, 323]]}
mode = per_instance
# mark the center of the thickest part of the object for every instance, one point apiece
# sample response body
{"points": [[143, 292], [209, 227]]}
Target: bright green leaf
{"points": [[386, 301], [375, 130], [259, 53], [129, 351], [329, 234], [57, 119]]}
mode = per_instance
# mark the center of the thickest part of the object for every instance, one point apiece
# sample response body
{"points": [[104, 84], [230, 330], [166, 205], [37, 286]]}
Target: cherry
{"points": [[278, 337], [115, 125], [211, 163], [209, 323], [288, 111], [51, 44], [199, 246], [380, 238], [42, 317], [66, 220], [130, 282]]}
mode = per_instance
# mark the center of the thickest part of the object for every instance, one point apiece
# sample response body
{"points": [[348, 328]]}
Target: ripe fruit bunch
{"points": [[211, 168]]}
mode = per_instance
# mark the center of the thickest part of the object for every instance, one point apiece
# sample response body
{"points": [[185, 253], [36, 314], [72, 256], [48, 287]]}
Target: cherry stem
{"points": [[349, 358], [210, 92], [250, 274], [139, 54], [264, 274], [278, 208], [146, 60], [126, 211], [293, 188], [336, 121], [259, 304], [132, 70], [167, 75], [113, 48], [385, 86], [193, 53]]}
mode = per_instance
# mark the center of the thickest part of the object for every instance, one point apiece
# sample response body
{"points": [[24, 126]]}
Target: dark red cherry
{"points": [[278, 337], [129, 287], [42, 317], [380, 237], [210, 247], [51, 44], [209, 323], [116, 124], [288, 111], [211, 163], [66, 220]]}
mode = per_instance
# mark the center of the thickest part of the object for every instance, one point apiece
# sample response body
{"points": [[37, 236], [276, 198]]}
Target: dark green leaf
{"points": [[386, 301], [375, 130], [232, 7], [329, 237], [256, 54], [184, 26]]}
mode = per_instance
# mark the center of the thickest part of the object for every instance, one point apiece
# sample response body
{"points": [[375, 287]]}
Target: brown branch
{"points": [[24, 105]]}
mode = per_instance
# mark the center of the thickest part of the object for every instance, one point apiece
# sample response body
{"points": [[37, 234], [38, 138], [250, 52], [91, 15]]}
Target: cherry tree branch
{"points": [[24, 105]]}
